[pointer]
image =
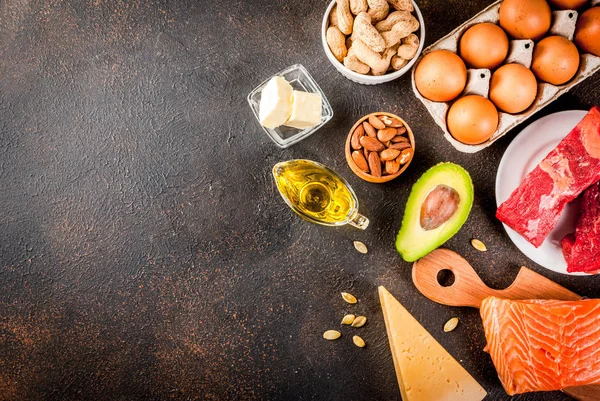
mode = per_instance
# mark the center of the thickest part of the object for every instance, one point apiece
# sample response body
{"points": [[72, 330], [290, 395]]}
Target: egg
{"points": [[568, 4], [483, 45], [441, 76], [525, 19], [513, 88], [587, 33], [472, 119], [555, 60]]}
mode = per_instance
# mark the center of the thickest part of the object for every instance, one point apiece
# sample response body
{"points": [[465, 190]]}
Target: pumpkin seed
{"points": [[331, 335], [451, 324], [360, 247], [348, 319], [480, 246], [359, 321], [351, 299], [359, 342]]}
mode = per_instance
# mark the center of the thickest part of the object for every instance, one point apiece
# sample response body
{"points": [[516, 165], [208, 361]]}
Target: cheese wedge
{"points": [[275, 103], [425, 370], [306, 110]]}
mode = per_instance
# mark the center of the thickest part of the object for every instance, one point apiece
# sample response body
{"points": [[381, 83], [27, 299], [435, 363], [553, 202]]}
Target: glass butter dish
{"points": [[301, 80]]}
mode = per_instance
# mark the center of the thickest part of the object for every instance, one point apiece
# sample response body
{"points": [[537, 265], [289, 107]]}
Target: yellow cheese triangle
{"points": [[425, 370]]}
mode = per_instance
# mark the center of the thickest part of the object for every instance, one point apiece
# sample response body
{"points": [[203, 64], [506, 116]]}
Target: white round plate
{"points": [[522, 155]]}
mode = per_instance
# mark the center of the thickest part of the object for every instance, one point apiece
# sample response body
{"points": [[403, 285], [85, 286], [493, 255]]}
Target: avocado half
{"points": [[437, 207]]}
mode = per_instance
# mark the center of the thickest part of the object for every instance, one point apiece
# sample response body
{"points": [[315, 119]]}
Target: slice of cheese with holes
{"points": [[425, 370]]}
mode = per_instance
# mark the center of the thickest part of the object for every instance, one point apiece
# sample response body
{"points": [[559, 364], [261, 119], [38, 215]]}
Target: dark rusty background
{"points": [[145, 253]]}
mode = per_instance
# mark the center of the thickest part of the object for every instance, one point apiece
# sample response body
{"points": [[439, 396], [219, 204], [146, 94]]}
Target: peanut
{"points": [[398, 62], [375, 164], [344, 16], [378, 9], [360, 161], [370, 57], [354, 64], [409, 47], [376, 122], [401, 5], [333, 21], [400, 30], [358, 6], [392, 19], [366, 32], [337, 43], [386, 59]]}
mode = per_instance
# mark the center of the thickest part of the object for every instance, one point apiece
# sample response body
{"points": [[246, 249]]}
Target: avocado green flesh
{"points": [[413, 242]]}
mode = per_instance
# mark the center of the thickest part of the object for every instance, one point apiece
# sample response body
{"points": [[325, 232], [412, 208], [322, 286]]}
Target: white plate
{"points": [[521, 156]]}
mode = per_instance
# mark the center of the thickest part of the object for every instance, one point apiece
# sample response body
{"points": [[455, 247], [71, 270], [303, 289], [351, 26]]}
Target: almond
{"points": [[401, 130], [400, 145], [386, 134], [375, 122], [369, 129], [399, 138], [358, 132], [406, 155], [371, 144], [375, 164], [389, 154], [393, 122], [360, 161], [392, 167]]}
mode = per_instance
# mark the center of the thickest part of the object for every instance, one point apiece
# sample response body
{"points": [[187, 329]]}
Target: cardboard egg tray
{"points": [[520, 51]]}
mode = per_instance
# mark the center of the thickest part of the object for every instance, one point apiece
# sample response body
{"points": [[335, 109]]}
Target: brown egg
{"points": [[525, 19], [483, 45], [472, 119], [568, 4], [513, 88], [555, 60], [441, 76], [587, 33]]}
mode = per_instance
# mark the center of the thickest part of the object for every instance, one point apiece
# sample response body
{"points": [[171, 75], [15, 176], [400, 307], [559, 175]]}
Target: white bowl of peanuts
{"points": [[372, 41]]}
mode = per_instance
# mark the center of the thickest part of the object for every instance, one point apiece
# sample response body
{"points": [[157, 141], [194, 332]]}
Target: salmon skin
{"points": [[543, 345]]}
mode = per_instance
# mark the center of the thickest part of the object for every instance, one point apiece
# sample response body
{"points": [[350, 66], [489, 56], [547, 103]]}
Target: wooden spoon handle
{"points": [[469, 290]]}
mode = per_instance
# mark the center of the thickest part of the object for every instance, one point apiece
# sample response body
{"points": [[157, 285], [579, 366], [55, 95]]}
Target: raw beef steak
{"points": [[534, 207], [582, 249]]}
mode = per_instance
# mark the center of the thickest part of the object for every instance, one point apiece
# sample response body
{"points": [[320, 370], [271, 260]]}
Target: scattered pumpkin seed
{"points": [[359, 342], [480, 246], [451, 324], [360, 247], [331, 335], [359, 321], [351, 299], [348, 319]]}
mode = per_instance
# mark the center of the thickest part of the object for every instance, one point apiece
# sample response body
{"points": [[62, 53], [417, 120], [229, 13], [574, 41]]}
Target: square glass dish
{"points": [[301, 80]]}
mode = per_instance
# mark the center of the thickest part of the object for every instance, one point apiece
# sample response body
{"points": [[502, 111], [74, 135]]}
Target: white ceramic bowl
{"points": [[370, 79]]}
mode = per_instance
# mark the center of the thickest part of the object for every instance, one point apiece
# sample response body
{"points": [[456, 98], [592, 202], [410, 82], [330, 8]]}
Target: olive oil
{"points": [[317, 194]]}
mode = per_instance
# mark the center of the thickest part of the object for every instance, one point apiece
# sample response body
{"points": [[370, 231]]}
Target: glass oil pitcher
{"points": [[318, 194]]}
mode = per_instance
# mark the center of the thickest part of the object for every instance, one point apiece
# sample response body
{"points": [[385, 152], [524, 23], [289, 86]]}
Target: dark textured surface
{"points": [[145, 253]]}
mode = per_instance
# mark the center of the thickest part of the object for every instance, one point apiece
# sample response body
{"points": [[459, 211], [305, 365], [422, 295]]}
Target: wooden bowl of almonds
{"points": [[379, 147]]}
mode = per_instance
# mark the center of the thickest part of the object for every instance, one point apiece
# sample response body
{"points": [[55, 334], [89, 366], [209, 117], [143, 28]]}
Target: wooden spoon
{"points": [[468, 290]]}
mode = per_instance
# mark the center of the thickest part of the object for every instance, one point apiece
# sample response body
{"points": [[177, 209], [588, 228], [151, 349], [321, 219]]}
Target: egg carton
{"points": [[520, 51]]}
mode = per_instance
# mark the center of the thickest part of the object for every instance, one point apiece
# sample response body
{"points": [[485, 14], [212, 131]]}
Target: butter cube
{"points": [[275, 103], [306, 110]]}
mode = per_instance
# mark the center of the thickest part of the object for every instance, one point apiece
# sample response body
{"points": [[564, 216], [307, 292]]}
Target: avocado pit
{"points": [[438, 207]]}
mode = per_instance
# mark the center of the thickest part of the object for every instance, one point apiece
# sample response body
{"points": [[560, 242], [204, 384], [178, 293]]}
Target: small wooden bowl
{"points": [[366, 176]]}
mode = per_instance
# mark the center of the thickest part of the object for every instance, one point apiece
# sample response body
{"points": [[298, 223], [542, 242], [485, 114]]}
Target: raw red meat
{"points": [[534, 207], [582, 249]]}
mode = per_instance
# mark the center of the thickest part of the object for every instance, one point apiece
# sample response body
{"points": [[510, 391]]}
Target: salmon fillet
{"points": [[543, 345]]}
